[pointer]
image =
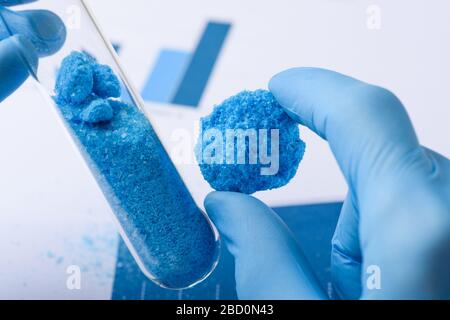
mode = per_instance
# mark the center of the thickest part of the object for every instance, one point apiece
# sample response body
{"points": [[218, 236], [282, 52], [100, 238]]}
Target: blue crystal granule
{"points": [[172, 238], [249, 144]]}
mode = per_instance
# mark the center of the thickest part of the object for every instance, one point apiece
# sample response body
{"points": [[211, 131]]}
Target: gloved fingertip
{"points": [[283, 80], [233, 212], [15, 2], [279, 81], [212, 198], [268, 261], [43, 28], [18, 59]]}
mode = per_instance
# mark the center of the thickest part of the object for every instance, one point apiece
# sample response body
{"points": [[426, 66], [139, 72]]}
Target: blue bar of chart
{"points": [[180, 77]]}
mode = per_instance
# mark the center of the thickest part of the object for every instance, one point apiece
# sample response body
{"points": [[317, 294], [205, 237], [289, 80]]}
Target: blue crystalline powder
{"points": [[249, 144], [171, 236]]}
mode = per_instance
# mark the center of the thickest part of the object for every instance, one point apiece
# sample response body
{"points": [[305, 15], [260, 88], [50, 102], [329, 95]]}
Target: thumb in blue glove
{"points": [[24, 37], [396, 217]]}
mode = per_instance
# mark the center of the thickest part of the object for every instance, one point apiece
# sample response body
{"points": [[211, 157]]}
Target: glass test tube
{"points": [[172, 240]]}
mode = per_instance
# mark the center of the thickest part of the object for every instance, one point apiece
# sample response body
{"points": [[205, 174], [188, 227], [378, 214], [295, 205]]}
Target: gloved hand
{"points": [[24, 37], [395, 220]]}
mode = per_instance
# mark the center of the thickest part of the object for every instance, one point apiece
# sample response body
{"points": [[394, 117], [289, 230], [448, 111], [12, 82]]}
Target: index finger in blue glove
{"points": [[18, 60], [14, 2], [366, 126], [43, 28]]}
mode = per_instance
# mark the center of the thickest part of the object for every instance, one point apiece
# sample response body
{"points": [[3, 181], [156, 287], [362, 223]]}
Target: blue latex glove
{"points": [[24, 37], [396, 216]]}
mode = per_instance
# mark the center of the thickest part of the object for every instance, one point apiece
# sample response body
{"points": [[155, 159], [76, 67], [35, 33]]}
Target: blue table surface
{"points": [[312, 225]]}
